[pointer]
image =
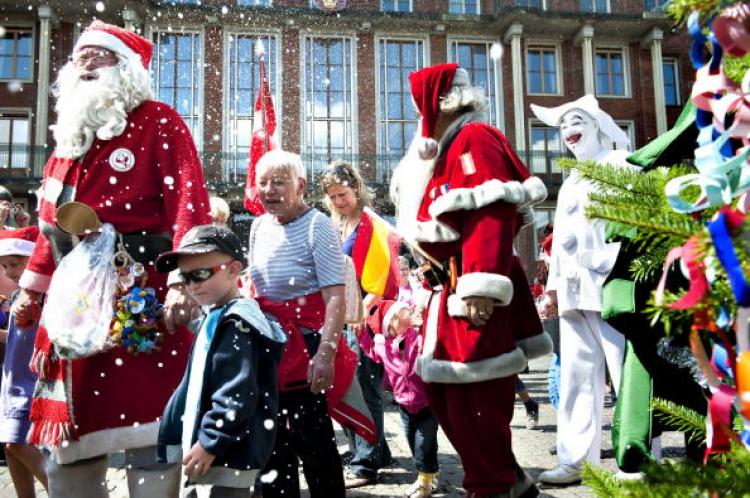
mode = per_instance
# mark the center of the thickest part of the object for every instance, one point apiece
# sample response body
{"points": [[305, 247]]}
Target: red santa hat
{"points": [[381, 317], [18, 242], [428, 85], [134, 48]]}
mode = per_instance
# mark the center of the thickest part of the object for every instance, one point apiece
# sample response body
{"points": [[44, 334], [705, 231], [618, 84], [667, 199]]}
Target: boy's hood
{"points": [[249, 311]]}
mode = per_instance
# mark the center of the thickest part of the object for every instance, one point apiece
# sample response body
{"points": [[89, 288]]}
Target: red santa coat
{"points": [[472, 209], [147, 180]]}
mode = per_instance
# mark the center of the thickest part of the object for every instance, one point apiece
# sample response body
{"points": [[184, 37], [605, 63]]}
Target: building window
{"points": [[546, 148], [15, 54], [177, 76], [595, 6], [396, 5], [475, 58], [655, 5], [14, 141], [254, 3], [397, 121], [629, 128], [671, 81], [611, 76], [470, 7], [541, 70], [530, 4], [243, 84], [329, 105]]}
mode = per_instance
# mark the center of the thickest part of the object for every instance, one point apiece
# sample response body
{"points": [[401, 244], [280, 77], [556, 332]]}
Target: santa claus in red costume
{"points": [[134, 162], [462, 194]]}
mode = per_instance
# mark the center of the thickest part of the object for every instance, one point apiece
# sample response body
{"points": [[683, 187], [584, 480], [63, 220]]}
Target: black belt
{"points": [[145, 248]]}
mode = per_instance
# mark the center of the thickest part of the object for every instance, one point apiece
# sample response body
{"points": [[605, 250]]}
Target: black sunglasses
{"points": [[202, 274]]}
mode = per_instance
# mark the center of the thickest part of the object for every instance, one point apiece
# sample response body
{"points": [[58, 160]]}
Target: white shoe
{"points": [[564, 474], [629, 476]]}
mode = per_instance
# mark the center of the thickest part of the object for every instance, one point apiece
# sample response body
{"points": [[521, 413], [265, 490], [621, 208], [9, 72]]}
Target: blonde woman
{"points": [[345, 197]]}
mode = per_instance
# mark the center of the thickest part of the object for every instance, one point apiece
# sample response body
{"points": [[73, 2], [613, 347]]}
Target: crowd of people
{"points": [[249, 361]]}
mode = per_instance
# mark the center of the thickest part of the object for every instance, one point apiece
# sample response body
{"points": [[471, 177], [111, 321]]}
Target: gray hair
{"points": [[281, 159], [463, 97]]}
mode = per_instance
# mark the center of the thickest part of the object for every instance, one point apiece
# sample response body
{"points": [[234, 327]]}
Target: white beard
{"points": [[88, 109], [408, 184]]}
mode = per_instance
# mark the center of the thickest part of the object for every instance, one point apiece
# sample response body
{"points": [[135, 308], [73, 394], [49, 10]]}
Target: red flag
{"points": [[263, 137]]}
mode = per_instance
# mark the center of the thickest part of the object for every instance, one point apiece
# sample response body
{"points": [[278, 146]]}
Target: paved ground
{"points": [[531, 448]]}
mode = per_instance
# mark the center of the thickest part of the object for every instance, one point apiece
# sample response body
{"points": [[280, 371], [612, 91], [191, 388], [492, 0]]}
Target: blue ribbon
{"points": [[726, 254]]}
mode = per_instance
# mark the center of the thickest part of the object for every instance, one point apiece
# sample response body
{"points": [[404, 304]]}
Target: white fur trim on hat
{"points": [[395, 308], [481, 284], [34, 281], [552, 116], [96, 38], [16, 247], [461, 77]]}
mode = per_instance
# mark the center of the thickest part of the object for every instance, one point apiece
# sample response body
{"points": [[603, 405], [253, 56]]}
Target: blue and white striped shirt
{"points": [[296, 258]]}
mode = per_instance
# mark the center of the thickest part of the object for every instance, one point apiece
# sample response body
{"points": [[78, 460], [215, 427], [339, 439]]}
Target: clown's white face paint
{"points": [[581, 135]]}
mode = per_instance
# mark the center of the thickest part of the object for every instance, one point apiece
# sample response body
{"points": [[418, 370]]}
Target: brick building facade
{"points": [[339, 76]]}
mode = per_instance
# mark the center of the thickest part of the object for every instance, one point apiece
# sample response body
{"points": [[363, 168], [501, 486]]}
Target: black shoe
{"points": [[532, 414], [346, 457], [524, 486]]}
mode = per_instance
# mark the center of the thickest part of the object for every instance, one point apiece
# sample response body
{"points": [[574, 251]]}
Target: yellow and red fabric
{"points": [[375, 256]]}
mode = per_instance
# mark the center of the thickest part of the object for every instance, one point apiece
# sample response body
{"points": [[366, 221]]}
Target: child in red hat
{"points": [[396, 344], [24, 460]]}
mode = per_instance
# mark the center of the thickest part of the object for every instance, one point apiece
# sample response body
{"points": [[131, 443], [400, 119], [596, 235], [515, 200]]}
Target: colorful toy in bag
{"points": [[79, 327], [137, 311]]}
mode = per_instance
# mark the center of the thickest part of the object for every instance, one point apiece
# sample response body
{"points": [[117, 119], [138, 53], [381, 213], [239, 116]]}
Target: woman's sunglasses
{"points": [[202, 274]]}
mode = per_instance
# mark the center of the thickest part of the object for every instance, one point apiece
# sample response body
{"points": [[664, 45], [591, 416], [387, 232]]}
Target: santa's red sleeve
{"points": [[183, 184], [489, 188], [41, 264]]}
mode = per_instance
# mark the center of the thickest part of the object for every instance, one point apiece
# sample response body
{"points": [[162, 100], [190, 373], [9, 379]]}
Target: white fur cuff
{"points": [[479, 284], [535, 190], [457, 306]]}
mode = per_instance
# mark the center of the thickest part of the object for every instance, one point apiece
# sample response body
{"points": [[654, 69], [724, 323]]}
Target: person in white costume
{"points": [[580, 263]]}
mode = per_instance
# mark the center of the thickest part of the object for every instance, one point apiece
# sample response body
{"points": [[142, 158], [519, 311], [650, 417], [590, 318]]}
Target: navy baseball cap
{"points": [[202, 239]]}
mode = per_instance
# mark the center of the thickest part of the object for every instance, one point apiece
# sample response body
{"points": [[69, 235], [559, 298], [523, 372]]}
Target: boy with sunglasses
{"points": [[219, 415]]}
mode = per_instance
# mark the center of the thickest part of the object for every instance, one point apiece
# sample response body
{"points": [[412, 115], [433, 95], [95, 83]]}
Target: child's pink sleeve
{"points": [[369, 346]]}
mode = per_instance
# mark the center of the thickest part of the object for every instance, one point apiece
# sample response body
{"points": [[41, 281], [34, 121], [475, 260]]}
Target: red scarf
{"points": [[345, 405], [50, 416]]}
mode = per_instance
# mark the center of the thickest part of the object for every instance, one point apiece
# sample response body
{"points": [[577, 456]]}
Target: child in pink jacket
{"points": [[396, 344]]}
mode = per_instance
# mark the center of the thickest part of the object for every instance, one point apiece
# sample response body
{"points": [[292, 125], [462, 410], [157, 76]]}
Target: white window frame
{"points": [[425, 61], [239, 3], [230, 131], [463, 9], [593, 2], [544, 45], [625, 52], [535, 123], [629, 124], [411, 7], [495, 67], [33, 56], [307, 143], [675, 63], [19, 112], [543, 7], [154, 30]]}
